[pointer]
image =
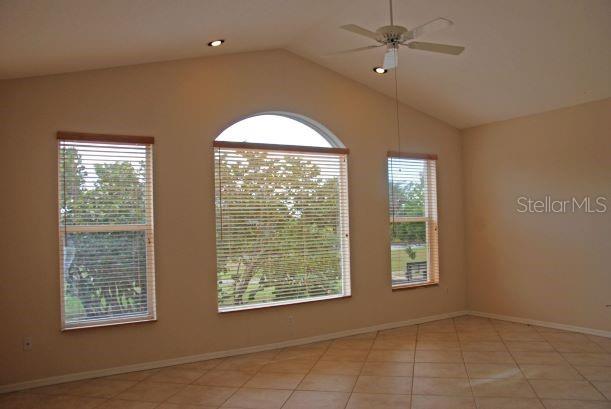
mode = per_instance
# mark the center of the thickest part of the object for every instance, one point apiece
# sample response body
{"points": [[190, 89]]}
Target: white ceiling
{"points": [[522, 56]]}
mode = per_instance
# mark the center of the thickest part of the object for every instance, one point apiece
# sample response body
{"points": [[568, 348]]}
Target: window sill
{"points": [[282, 304], [110, 324], [414, 286]]}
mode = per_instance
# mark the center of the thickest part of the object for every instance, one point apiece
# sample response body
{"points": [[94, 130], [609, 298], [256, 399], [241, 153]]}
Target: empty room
{"points": [[290, 204]]}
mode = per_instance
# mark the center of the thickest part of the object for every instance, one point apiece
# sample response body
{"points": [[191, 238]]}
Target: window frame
{"points": [[336, 149], [147, 228], [431, 218]]}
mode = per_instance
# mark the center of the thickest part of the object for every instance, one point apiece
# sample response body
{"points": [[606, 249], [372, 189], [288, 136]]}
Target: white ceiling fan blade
{"points": [[353, 50], [353, 28], [436, 48], [390, 59], [431, 26]]}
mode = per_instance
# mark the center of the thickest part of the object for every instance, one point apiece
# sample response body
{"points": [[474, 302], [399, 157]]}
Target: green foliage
{"points": [[107, 272], [407, 199], [277, 229], [104, 272]]}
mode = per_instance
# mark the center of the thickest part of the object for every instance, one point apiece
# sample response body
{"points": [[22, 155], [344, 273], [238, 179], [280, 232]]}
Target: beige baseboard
{"points": [[547, 324], [218, 354]]}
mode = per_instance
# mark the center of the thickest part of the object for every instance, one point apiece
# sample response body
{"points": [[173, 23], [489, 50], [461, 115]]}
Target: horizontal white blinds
{"points": [[281, 227], [106, 232], [412, 192]]}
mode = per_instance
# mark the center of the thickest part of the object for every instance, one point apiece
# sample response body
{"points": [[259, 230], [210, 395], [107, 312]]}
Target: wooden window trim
{"points": [[95, 137], [286, 304], [139, 321], [274, 147], [407, 155], [414, 286]]}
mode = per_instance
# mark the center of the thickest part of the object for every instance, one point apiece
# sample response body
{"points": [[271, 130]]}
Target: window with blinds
{"points": [[281, 224], [106, 229], [412, 190]]}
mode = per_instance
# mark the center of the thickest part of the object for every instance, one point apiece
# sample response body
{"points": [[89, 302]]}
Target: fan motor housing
{"points": [[391, 34]]}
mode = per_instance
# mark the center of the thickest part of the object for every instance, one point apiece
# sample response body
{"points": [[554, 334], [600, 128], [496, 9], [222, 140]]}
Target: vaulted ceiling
{"points": [[522, 56]]}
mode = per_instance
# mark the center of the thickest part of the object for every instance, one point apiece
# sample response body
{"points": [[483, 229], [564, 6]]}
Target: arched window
{"points": [[281, 213]]}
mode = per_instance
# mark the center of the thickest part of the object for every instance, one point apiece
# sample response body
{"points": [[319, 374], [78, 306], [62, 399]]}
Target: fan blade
{"points": [[390, 59], [431, 26], [436, 48], [353, 28], [353, 50]]}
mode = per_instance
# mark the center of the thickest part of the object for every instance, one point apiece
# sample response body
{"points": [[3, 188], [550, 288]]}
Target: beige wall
{"points": [[549, 267], [185, 105]]}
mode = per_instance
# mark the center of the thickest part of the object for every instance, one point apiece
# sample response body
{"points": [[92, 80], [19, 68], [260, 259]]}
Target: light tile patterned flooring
{"points": [[461, 363]]}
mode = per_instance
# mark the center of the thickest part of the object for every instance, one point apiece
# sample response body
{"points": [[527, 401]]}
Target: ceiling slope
{"points": [[522, 56]]}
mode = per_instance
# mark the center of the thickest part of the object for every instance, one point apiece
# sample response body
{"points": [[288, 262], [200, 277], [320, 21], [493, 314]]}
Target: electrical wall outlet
{"points": [[27, 343], [291, 321]]}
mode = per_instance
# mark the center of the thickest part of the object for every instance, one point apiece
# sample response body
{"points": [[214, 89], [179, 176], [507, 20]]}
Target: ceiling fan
{"points": [[393, 36]]}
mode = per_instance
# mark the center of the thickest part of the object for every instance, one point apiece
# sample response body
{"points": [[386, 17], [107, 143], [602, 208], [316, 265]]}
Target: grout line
{"points": [[507, 349], [464, 363], [185, 387], [411, 396], [544, 324], [518, 364], [221, 360], [362, 367], [571, 365], [476, 403], [273, 360], [307, 373], [411, 399]]}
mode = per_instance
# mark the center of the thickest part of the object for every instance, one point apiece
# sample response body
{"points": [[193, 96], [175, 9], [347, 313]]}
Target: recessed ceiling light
{"points": [[380, 70], [215, 43]]}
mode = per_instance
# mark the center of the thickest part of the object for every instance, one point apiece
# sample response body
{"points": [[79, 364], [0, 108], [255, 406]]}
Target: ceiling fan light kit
{"points": [[394, 36]]}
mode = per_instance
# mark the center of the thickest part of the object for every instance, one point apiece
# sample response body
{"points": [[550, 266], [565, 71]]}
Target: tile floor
{"points": [[461, 363]]}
